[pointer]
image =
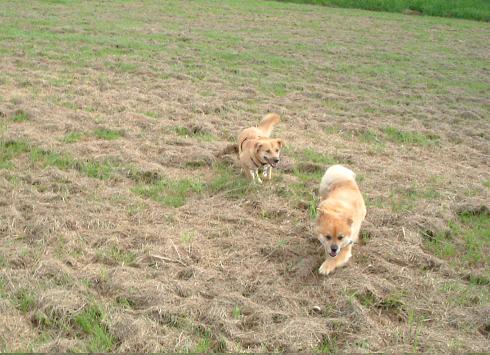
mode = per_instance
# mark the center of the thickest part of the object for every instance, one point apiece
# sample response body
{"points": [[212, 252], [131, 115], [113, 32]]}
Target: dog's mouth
{"points": [[271, 162], [332, 254]]}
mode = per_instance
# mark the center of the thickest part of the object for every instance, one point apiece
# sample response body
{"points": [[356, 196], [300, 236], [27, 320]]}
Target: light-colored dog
{"points": [[256, 150], [340, 215]]}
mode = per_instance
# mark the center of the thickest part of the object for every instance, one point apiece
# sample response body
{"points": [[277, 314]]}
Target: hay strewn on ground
{"points": [[121, 230]]}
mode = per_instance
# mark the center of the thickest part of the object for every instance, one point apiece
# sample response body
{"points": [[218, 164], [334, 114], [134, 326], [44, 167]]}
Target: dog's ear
{"points": [[320, 211], [257, 146], [281, 143]]}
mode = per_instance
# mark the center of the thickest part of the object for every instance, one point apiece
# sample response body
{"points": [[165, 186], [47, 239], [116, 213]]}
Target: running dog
{"points": [[256, 150], [340, 214]]}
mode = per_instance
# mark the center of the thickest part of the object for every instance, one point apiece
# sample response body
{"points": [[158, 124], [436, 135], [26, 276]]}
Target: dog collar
{"points": [[241, 144], [257, 165]]}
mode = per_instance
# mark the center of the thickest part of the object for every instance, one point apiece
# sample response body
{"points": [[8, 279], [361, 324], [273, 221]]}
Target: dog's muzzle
{"points": [[273, 162]]}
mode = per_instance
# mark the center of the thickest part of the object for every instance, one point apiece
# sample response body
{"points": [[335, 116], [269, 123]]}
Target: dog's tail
{"points": [[333, 175], [229, 149], [268, 123]]}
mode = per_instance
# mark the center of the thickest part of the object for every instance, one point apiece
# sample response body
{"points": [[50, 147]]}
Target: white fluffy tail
{"points": [[333, 175]]}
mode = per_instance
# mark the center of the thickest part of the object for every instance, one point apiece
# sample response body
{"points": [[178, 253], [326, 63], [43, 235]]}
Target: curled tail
{"points": [[334, 175], [268, 123]]}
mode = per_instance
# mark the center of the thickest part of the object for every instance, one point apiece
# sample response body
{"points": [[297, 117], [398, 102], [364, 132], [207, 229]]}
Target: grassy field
{"points": [[121, 230], [465, 9]]}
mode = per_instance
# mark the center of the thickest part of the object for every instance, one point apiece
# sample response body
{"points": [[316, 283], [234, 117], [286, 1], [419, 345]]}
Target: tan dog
{"points": [[340, 215], [256, 150]]}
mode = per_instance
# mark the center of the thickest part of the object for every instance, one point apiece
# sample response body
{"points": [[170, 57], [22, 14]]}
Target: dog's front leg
{"points": [[331, 264], [255, 175], [267, 172]]}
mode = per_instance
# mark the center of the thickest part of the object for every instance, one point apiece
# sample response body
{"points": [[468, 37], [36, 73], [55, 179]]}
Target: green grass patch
{"points": [[24, 300], [90, 322], [461, 294], [207, 341], [172, 193], [151, 114], [98, 170], [20, 116], [310, 155], [9, 150], [466, 243], [73, 137], [406, 137], [406, 199], [108, 134], [466, 9], [236, 312], [229, 182], [328, 345], [48, 158], [118, 256], [45, 158]]}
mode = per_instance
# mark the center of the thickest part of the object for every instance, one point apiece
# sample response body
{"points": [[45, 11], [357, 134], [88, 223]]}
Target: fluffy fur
{"points": [[256, 150], [340, 214]]}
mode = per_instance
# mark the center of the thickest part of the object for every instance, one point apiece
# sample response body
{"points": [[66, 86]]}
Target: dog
{"points": [[256, 150], [341, 212]]}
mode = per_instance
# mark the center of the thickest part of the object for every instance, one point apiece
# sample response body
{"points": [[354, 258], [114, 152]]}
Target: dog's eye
{"points": [[340, 237], [277, 150], [329, 237], [268, 150]]}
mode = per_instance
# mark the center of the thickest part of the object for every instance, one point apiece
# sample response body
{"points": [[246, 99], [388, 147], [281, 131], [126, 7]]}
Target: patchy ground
{"points": [[121, 230]]}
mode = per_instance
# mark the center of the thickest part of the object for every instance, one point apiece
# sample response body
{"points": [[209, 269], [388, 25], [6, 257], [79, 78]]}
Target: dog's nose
{"points": [[275, 160], [334, 248]]}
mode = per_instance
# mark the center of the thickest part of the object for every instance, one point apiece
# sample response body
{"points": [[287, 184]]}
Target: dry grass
{"points": [[121, 230]]}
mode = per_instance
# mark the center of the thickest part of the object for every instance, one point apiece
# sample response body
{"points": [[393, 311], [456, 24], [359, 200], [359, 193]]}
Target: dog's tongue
{"points": [[332, 254]]}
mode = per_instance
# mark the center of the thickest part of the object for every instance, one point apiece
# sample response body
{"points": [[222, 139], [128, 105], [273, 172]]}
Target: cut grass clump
{"points": [[171, 193], [108, 134], [90, 322], [466, 9], [194, 132], [392, 304]]}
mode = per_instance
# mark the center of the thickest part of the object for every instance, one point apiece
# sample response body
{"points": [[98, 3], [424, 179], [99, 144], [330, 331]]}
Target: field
{"points": [[468, 9], [121, 229]]}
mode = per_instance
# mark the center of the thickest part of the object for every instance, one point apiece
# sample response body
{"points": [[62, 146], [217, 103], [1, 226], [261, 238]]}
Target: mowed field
{"points": [[121, 230]]}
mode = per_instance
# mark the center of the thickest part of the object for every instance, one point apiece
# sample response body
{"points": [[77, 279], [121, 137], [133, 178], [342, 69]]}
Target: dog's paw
{"points": [[327, 267]]}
